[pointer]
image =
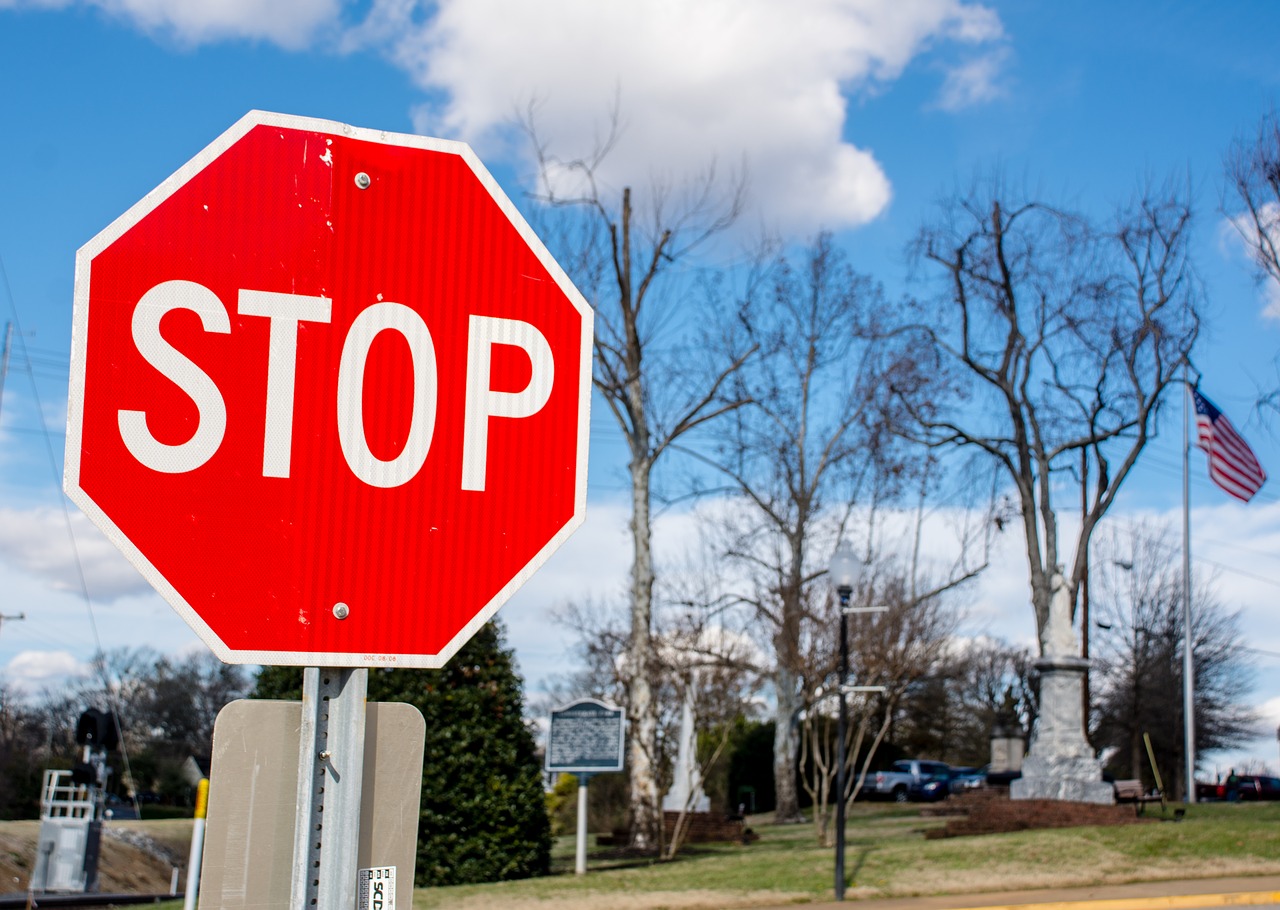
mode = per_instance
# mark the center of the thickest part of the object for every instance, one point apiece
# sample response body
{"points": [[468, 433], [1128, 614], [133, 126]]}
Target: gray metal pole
{"points": [[326, 837], [1085, 694], [842, 725], [1188, 667]]}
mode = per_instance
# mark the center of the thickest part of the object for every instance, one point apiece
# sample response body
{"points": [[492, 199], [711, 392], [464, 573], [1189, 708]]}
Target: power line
{"points": [[4, 358], [3, 617], [1262, 651], [82, 583]]}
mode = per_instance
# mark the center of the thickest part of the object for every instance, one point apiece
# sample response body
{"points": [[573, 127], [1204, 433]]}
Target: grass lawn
{"points": [[889, 857]]}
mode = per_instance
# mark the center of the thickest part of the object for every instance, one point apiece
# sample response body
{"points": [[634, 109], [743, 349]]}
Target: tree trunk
{"points": [[785, 746], [641, 710]]}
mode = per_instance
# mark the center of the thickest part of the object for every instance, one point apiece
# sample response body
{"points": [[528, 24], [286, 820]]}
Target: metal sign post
{"points": [[330, 777], [580, 853]]}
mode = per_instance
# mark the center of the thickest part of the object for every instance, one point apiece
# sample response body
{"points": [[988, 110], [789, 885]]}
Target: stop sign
{"points": [[329, 393]]}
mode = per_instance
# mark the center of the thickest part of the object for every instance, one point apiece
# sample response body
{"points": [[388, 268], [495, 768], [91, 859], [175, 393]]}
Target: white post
{"points": [[197, 846], [580, 862]]}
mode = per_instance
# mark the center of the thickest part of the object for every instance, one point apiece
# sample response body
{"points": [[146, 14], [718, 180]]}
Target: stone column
{"points": [[1060, 764], [1008, 746], [686, 792]]}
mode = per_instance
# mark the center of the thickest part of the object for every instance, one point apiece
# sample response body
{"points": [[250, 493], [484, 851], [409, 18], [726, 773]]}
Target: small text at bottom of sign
{"points": [[376, 888]]}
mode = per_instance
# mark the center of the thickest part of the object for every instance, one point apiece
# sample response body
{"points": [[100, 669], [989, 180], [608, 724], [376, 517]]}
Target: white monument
{"points": [[1060, 763], [686, 793]]}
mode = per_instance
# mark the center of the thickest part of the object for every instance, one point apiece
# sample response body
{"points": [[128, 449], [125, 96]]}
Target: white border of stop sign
{"points": [[286, 312]]}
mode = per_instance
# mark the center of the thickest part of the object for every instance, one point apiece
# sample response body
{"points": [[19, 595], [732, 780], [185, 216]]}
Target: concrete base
{"points": [[1072, 779], [1060, 764]]}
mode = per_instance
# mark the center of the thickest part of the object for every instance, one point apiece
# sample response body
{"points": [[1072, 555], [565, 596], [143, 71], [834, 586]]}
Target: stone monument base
{"points": [[1060, 764], [1077, 780]]}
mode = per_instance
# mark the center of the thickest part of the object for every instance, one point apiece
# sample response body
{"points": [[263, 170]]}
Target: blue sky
{"points": [[851, 116]]}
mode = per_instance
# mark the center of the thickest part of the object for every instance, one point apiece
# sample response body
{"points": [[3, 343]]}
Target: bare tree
{"points": [[1253, 187], [627, 256], [699, 659], [814, 441], [1252, 203], [1061, 338], [165, 706], [1140, 658], [162, 699], [713, 671], [893, 650], [980, 684], [791, 455]]}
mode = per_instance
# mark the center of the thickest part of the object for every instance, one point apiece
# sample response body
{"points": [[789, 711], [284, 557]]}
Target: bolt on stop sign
{"points": [[329, 393]]}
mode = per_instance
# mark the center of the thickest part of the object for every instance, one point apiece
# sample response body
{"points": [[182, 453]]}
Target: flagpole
{"points": [[1188, 668]]}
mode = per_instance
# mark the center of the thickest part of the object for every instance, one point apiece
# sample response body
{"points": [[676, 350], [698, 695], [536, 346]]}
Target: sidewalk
{"points": [[1167, 895]]}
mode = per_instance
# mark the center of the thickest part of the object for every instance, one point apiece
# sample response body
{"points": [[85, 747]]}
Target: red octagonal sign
{"points": [[329, 393]]}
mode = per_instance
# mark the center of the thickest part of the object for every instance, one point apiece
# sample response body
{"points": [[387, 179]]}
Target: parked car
{"points": [[1256, 786], [999, 778], [967, 778], [931, 789], [1207, 792], [1248, 787], [907, 779]]}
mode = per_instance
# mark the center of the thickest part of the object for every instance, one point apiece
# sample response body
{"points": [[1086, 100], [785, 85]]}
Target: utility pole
{"points": [[3, 617]]}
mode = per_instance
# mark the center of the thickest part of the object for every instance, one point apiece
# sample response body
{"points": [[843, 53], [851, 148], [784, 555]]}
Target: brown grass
{"points": [[123, 867]]}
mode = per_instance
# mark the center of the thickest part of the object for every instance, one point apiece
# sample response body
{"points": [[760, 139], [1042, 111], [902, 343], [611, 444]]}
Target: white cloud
{"points": [[1271, 300], [741, 82], [974, 82], [36, 542], [292, 24], [1233, 234], [729, 80], [593, 566], [29, 670]]}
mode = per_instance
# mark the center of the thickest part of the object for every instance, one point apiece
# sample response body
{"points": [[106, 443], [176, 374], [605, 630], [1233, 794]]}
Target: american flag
{"points": [[1232, 464]]}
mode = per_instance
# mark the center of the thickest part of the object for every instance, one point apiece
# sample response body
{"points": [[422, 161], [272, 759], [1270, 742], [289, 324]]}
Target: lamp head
{"points": [[845, 568]]}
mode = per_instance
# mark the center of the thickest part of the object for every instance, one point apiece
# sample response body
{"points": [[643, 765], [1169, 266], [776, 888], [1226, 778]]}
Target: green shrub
{"points": [[483, 816]]}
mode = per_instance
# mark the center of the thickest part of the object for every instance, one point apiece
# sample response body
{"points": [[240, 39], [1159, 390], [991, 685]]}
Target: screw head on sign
{"points": [[341, 611], [363, 180]]}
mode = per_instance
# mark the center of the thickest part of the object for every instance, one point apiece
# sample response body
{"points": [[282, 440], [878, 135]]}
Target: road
{"points": [[1168, 895]]}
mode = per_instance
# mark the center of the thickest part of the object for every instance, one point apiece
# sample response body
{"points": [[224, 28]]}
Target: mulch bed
{"points": [[991, 811]]}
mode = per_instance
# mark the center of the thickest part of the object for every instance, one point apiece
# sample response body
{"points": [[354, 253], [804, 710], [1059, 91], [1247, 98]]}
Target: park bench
{"points": [[1130, 791]]}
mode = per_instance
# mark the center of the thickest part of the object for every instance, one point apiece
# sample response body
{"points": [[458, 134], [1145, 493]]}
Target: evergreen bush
{"points": [[483, 815]]}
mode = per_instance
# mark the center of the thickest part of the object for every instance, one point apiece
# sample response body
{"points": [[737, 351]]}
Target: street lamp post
{"points": [[845, 568]]}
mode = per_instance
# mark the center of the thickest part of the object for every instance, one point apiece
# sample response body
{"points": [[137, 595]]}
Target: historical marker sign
{"points": [[329, 394], [585, 737]]}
